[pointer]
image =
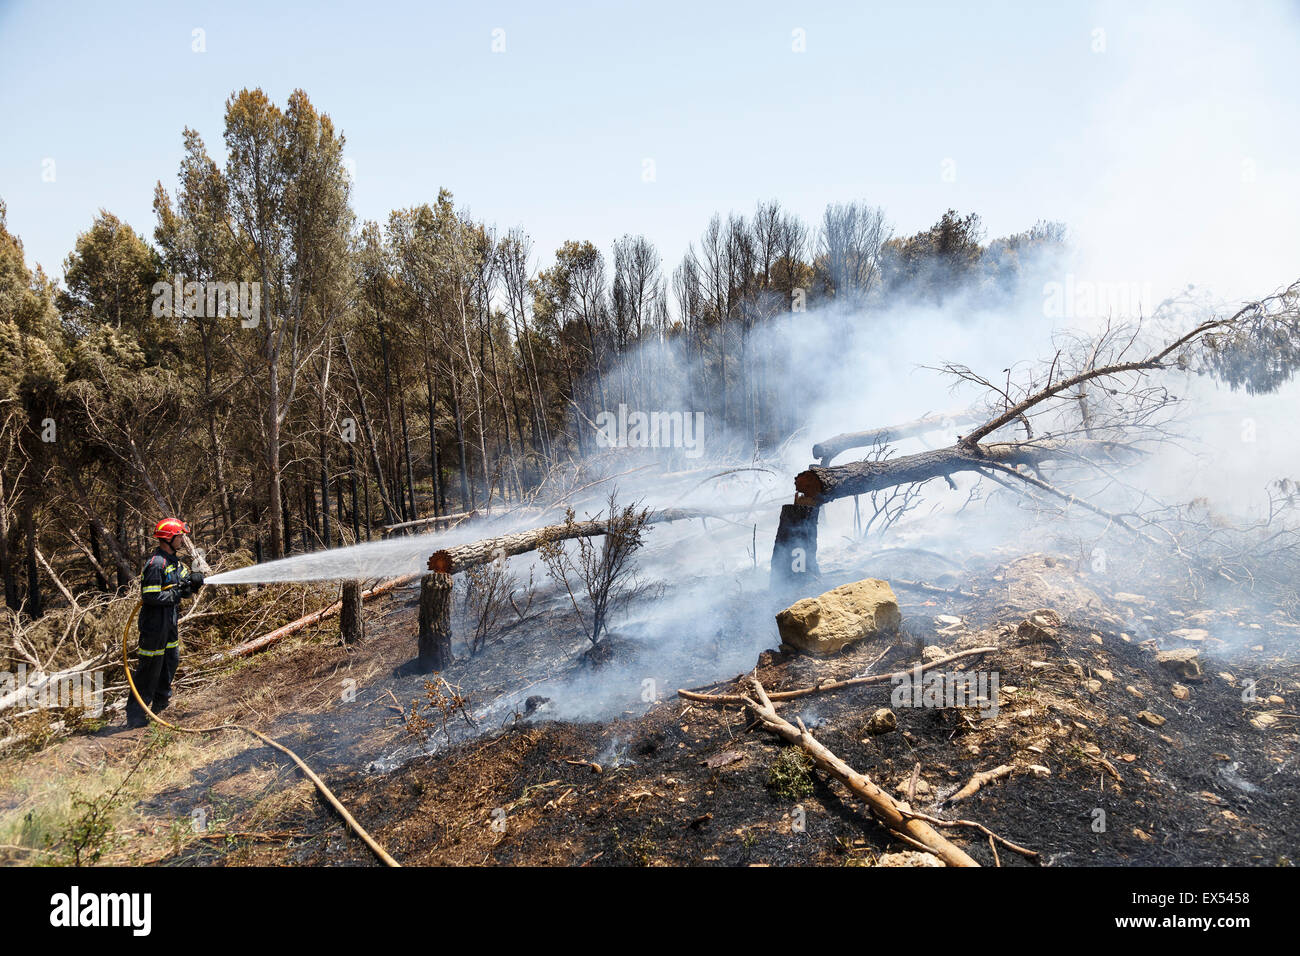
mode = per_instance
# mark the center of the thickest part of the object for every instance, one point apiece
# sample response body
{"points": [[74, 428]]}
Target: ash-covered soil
{"points": [[1115, 759]]}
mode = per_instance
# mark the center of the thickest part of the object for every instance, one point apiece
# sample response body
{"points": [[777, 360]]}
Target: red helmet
{"points": [[169, 528]]}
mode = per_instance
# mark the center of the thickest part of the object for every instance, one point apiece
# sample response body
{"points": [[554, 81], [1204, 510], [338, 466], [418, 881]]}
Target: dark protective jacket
{"points": [[163, 583]]}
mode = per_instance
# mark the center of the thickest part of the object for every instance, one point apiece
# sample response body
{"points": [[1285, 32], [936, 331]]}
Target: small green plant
{"points": [[90, 832], [791, 774]]}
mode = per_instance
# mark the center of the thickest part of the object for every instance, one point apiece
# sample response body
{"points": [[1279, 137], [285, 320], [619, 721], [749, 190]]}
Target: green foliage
{"points": [[790, 775], [89, 835]]}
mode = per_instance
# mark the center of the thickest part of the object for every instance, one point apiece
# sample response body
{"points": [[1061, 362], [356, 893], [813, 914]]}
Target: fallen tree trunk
{"points": [[822, 484], [457, 559], [894, 815], [41, 681], [266, 640], [828, 448]]}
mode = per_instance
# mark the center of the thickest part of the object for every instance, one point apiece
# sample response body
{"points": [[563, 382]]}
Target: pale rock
{"points": [[1040, 625], [909, 858], [882, 722], [826, 624], [1183, 663]]}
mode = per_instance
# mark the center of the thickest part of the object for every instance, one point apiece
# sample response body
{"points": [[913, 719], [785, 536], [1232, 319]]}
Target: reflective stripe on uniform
{"points": [[172, 644], [148, 653], [151, 589]]}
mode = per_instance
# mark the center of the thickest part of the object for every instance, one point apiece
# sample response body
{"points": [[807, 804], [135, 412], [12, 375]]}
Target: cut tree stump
{"points": [[352, 622], [435, 623], [794, 555]]}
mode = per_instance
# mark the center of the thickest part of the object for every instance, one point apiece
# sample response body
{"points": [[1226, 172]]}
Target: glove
{"points": [[196, 581]]}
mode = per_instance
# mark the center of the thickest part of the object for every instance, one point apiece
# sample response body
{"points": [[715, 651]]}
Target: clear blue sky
{"points": [[1186, 114]]}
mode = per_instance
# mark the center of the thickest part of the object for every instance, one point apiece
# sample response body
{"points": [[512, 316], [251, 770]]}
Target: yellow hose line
{"points": [[360, 831]]}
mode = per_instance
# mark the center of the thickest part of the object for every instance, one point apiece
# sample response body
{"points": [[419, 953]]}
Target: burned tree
{"points": [[352, 623], [794, 555], [434, 634], [1096, 408], [606, 572], [489, 594]]}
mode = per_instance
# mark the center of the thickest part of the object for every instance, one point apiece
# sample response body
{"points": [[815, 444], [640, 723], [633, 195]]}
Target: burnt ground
{"points": [[682, 783]]}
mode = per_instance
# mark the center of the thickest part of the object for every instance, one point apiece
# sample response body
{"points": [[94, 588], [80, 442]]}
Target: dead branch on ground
{"points": [[891, 813], [834, 685]]}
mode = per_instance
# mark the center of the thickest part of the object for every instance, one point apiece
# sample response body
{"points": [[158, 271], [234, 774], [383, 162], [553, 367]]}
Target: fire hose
{"points": [[356, 827]]}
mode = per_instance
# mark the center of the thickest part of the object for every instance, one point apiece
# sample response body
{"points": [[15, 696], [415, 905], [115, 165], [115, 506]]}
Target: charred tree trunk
{"points": [[324, 454], [283, 544], [311, 519], [435, 623], [794, 555], [352, 623]]}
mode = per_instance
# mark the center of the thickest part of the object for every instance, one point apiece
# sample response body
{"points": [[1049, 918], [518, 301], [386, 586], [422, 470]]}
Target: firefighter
{"points": [[164, 581]]}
